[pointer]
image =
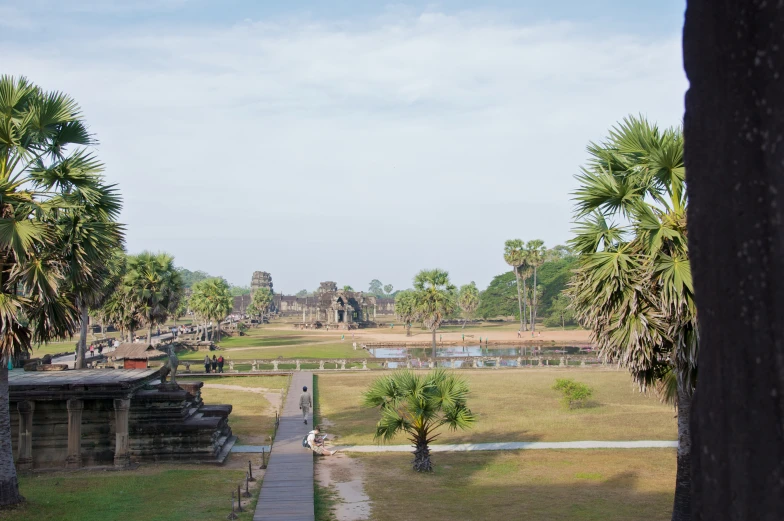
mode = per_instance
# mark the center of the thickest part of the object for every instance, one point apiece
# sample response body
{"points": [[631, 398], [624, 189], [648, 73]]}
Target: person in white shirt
{"points": [[317, 444]]}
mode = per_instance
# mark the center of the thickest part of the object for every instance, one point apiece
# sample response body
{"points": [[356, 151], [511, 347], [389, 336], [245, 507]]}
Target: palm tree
{"points": [[261, 301], [212, 300], [468, 300], [435, 299], [88, 239], [535, 257], [156, 286], [515, 256], [406, 308], [38, 175], [418, 405], [633, 287]]}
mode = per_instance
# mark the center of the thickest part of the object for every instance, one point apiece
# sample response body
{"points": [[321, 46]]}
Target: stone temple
{"points": [[335, 307]]}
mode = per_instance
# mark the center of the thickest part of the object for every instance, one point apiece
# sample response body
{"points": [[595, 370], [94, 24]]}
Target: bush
{"points": [[575, 394]]}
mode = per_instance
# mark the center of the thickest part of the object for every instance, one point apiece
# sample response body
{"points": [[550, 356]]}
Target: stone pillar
{"points": [[321, 364], [374, 311], [74, 458], [298, 366], [337, 316], [25, 458], [122, 445], [364, 365]]}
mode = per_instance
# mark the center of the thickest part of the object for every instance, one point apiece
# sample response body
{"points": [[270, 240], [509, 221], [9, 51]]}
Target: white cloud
{"points": [[350, 151]]}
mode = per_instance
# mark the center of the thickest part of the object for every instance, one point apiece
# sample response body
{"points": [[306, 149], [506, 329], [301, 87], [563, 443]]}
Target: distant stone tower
{"points": [[328, 287], [261, 279]]}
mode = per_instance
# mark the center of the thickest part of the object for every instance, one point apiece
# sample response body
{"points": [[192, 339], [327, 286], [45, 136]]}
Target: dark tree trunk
{"points": [[734, 156], [434, 345], [81, 345], [681, 510], [422, 461], [9, 486], [533, 305], [525, 310], [519, 298], [149, 334], [217, 331]]}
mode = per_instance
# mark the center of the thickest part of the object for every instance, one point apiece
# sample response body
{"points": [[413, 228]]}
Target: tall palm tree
{"points": [[468, 300], [633, 287], [212, 300], [535, 257], [406, 309], [155, 285], [42, 162], [260, 302], [436, 299], [419, 405], [515, 256]]}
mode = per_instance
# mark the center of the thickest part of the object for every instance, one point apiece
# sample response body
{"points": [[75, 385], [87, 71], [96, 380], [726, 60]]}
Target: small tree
{"points": [[436, 299], [405, 309], [418, 405], [560, 311], [575, 394], [468, 300], [388, 289]]}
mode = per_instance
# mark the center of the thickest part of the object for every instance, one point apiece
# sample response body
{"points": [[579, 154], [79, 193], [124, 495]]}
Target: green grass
{"points": [[325, 350], [151, 493], [514, 405], [535, 485]]}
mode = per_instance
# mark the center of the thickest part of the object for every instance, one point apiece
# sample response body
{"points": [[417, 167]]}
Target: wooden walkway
{"points": [[287, 490]]}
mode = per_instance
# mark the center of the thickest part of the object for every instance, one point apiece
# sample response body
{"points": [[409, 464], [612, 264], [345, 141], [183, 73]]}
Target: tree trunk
{"points": [[217, 331], [81, 345], [519, 299], [9, 485], [434, 344], [525, 312], [533, 305], [681, 510], [734, 157], [422, 461], [131, 334], [149, 334]]}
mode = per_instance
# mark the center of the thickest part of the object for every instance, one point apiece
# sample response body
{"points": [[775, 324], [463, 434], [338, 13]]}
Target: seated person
{"points": [[317, 444]]}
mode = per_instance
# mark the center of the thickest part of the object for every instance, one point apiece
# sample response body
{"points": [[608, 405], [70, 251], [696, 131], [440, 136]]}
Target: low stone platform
{"points": [[113, 417]]}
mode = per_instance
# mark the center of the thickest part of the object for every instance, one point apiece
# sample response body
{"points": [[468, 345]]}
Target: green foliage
{"points": [[302, 293], [561, 314], [500, 297], [260, 302], [575, 394], [189, 278], [347, 288], [418, 405], [435, 298], [406, 308], [376, 287], [388, 289], [238, 291], [633, 287], [153, 287], [468, 299], [212, 300]]}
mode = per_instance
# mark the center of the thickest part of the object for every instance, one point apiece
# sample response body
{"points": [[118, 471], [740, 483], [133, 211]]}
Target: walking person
{"points": [[317, 444], [305, 403], [220, 363], [214, 364], [206, 363]]}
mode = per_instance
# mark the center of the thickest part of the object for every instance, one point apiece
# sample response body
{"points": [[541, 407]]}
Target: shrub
{"points": [[575, 394]]}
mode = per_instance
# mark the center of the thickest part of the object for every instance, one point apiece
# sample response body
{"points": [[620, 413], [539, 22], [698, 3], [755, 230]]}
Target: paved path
{"points": [[518, 445], [287, 490]]}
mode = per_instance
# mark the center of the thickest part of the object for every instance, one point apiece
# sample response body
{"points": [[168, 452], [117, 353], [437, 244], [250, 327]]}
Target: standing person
{"points": [[92, 350], [220, 364], [518, 334], [305, 403], [317, 444], [342, 338], [214, 364], [206, 363]]}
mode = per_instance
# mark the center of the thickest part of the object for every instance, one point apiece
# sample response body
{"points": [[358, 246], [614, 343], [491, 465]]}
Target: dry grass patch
{"points": [[515, 405], [585, 485]]}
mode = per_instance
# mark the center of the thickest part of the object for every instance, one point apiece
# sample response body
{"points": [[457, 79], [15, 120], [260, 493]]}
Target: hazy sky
{"points": [[348, 140]]}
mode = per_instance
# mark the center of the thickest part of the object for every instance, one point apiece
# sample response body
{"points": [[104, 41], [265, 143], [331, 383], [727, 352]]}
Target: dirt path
{"points": [[345, 476]]}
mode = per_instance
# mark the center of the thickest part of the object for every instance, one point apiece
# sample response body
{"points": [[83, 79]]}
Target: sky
{"points": [[348, 140]]}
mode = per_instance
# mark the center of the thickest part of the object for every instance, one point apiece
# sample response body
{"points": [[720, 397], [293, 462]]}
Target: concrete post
{"points": [[25, 458], [74, 458], [122, 452]]}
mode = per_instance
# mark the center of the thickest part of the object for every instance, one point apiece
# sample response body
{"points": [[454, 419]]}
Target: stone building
{"points": [[335, 307], [261, 279]]}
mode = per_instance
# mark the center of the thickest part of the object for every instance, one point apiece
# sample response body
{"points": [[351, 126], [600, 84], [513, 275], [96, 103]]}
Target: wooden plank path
{"points": [[287, 490]]}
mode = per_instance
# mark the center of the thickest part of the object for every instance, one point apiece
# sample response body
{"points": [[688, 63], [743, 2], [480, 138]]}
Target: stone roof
{"points": [[137, 351]]}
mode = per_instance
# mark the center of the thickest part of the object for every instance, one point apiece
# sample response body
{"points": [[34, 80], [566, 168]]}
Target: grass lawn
{"points": [[585, 485], [323, 350], [252, 418], [150, 493], [514, 405]]}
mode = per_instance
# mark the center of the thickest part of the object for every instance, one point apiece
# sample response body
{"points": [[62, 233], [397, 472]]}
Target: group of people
{"points": [[216, 364]]}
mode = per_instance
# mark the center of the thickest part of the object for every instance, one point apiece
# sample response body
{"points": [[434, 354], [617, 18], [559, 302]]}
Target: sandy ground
{"points": [[346, 476], [577, 337]]}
